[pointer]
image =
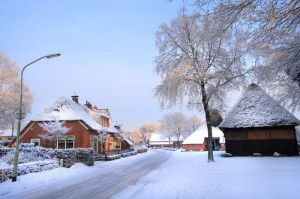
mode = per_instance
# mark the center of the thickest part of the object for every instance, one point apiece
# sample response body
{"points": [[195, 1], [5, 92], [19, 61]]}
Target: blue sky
{"points": [[108, 50]]}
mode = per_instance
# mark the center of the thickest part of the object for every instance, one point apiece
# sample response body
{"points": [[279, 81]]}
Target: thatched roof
{"points": [[257, 109]]}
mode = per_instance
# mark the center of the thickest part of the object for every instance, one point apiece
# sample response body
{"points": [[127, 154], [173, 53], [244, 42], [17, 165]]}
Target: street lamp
{"points": [[19, 117]]}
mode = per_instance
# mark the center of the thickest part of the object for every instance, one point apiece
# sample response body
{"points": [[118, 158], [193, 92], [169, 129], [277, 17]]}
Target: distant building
{"points": [[90, 127], [259, 124], [6, 136], [159, 140], [198, 140]]}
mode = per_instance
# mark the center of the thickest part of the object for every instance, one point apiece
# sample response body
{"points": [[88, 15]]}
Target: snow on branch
{"points": [[53, 129]]}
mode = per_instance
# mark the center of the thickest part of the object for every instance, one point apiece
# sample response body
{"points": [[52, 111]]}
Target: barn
{"points": [[197, 141], [259, 124]]}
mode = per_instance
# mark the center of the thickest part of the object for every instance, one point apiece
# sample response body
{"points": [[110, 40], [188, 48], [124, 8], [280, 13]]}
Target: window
{"points": [[94, 142], [70, 142], [65, 142], [36, 142]]}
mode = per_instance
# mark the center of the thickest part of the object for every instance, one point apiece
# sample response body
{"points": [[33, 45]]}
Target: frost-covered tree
{"points": [[200, 59], [10, 93], [143, 133], [54, 129], [174, 125], [193, 123], [275, 38]]}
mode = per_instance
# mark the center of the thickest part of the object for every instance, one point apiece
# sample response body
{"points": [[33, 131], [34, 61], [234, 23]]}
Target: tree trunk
{"points": [[207, 116]]}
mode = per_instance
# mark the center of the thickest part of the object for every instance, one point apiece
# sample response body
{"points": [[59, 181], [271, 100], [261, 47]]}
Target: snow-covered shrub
{"points": [[4, 142], [142, 150], [27, 153], [129, 153], [72, 156], [4, 151], [113, 156], [31, 167], [226, 155], [257, 155], [276, 154]]}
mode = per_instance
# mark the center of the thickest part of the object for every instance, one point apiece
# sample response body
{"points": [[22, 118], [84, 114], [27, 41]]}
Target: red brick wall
{"points": [[194, 147], [80, 133]]}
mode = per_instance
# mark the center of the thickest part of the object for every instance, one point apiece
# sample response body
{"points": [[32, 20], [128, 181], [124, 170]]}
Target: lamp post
{"points": [[19, 117]]}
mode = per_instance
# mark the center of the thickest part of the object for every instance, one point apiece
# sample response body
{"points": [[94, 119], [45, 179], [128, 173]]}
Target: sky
{"points": [[107, 53]]}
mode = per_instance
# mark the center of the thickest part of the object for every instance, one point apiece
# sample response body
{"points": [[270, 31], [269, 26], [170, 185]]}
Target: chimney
{"points": [[75, 98], [88, 104]]}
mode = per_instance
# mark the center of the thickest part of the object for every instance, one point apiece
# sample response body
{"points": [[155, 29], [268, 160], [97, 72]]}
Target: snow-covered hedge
{"points": [[4, 142], [113, 157], [142, 150], [4, 151], [36, 159], [129, 153], [26, 168], [72, 156]]}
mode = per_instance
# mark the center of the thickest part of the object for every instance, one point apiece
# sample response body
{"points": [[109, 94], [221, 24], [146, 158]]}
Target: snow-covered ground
{"points": [[188, 175]]}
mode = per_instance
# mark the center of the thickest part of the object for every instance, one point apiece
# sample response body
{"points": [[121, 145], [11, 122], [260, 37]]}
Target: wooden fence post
{"points": [[61, 163], [3, 173]]}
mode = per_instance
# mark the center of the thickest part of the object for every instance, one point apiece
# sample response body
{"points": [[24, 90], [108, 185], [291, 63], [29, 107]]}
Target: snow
{"points": [[67, 109], [186, 175], [126, 139], [201, 133], [159, 138], [6, 133], [257, 109]]}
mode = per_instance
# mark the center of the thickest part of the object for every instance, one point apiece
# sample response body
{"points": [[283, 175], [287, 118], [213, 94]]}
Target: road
{"points": [[103, 184]]}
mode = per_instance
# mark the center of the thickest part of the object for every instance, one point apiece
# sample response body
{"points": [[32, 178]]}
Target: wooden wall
{"points": [[261, 140]]}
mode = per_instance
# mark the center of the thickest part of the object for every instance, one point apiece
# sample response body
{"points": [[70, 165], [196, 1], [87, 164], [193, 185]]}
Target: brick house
{"points": [[197, 141], [259, 124], [90, 127]]}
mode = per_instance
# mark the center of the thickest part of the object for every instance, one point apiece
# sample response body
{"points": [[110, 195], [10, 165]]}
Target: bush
{"points": [[29, 153], [226, 155], [257, 155], [72, 156]]}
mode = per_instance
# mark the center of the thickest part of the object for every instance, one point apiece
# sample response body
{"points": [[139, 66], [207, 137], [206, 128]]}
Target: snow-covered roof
{"points": [[66, 109], [126, 139], [201, 133], [257, 109]]}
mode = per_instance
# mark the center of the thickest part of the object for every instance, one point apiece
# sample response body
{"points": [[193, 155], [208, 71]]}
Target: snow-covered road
{"points": [[101, 181], [162, 174]]}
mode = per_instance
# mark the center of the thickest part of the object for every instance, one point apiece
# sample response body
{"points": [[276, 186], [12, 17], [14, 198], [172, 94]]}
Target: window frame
{"points": [[65, 143], [36, 139]]}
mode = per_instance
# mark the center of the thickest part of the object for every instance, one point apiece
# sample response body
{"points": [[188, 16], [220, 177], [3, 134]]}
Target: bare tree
{"points": [[10, 93], [194, 122], [54, 129], [174, 125], [275, 38], [146, 130], [200, 59]]}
